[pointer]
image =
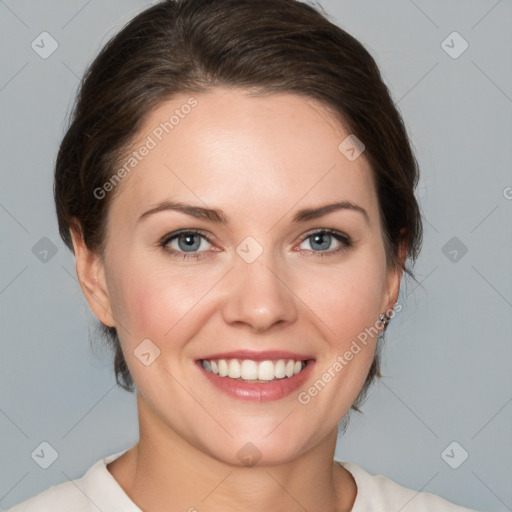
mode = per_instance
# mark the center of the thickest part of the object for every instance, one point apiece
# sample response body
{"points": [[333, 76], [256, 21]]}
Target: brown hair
{"points": [[179, 46]]}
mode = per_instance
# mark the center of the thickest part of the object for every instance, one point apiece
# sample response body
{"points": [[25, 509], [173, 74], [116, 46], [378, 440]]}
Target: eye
{"points": [[321, 242], [185, 244]]}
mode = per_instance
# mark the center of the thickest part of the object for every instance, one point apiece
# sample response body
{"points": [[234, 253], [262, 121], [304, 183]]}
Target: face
{"points": [[259, 277]]}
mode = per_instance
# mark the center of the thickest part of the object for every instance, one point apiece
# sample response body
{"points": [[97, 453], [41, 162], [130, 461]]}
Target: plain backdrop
{"points": [[446, 396]]}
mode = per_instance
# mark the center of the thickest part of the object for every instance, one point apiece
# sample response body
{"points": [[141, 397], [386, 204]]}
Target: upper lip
{"points": [[264, 355]]}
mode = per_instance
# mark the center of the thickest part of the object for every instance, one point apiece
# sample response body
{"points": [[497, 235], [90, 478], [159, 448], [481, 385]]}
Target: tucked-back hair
{"points": [[266, 46]]}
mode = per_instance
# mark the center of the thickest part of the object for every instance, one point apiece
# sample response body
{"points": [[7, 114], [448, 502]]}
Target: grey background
{"points": [[447, 354]]}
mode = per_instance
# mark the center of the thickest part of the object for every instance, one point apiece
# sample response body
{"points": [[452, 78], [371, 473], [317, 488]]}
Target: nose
{"points": [[258, 296]]}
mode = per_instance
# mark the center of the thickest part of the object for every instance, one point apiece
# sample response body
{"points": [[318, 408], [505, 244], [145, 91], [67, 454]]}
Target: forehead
{"points": [[249, 155]]}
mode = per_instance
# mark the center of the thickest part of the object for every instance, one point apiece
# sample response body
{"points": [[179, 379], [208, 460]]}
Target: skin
{"points": [[259, 160]]}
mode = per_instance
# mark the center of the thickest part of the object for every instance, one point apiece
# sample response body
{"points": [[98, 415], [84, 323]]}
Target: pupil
{"points": [[326, 240], [189, 241]]}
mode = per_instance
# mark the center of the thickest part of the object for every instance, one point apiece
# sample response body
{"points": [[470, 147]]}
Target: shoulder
{"points": [[95, 489], [378, 492], [58, 498]]}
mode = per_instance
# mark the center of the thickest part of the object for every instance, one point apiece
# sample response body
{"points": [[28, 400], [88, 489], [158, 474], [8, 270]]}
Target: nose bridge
{"points": [[257, 294]]}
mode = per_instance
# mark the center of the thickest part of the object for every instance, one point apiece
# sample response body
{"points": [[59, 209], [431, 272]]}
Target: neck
{"points": [[164, 471]]}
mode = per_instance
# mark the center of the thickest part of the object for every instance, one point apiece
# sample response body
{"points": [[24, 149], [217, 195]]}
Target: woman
{"points": [[238, 190]]}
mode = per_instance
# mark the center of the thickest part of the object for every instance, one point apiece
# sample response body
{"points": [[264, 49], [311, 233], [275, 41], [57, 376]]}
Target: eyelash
{"points": [[340, 237]]}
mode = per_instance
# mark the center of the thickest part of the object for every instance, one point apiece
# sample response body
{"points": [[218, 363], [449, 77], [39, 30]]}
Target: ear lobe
{"points": [[90, 271]]}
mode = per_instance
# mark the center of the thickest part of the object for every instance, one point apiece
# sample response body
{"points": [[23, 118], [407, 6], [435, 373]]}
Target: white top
{"points": [[99, 490]]}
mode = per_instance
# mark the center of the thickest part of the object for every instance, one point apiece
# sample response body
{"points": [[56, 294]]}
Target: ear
{"points": [[395, 273], [90, 270]]}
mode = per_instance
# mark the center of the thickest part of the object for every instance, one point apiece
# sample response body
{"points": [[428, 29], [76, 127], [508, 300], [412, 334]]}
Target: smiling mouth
{"points": [[248, 370]]}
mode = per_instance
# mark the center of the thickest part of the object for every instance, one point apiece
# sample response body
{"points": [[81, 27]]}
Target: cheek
{"points": [[347, 299], [151, 302]]}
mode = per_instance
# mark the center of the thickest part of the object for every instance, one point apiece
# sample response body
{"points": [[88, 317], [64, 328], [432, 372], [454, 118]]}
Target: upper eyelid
{"points": [[175, 234], [324, 230]]}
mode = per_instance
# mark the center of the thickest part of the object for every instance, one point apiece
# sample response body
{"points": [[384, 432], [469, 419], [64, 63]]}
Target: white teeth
{"points": [[234, 369], [290, 365], [280, 369], [223, 368], [266, 370], [250, 370]]}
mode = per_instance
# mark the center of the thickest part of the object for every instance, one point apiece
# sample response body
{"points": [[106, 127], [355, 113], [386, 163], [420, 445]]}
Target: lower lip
{"points": [[256, 391]]}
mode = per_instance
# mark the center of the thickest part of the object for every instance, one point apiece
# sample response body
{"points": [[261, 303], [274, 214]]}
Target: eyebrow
{"points": [[219, 217]]}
